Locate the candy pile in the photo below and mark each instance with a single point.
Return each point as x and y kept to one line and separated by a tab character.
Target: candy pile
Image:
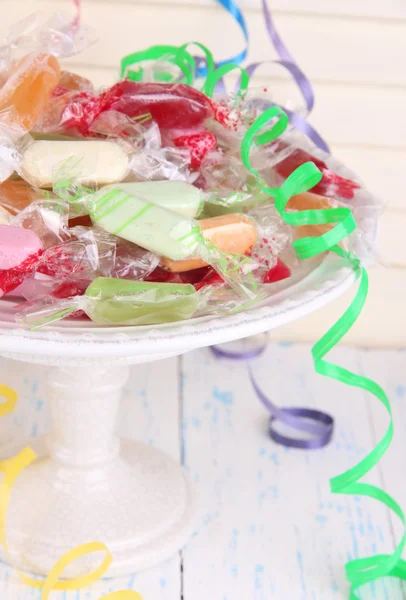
132	205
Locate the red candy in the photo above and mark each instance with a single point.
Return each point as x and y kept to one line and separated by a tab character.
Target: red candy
278	272
68	289
160	275
211	278
172	106
199	145
331	184
10	279
65	261
198	277
80	112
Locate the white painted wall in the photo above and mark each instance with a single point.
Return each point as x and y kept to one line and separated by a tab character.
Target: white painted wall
354	51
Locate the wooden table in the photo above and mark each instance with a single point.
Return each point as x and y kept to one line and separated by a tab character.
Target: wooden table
269	528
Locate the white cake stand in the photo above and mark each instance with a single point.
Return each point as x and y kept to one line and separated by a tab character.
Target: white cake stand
90	485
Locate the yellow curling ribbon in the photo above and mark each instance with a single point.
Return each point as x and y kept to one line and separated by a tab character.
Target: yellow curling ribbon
12	468
11	399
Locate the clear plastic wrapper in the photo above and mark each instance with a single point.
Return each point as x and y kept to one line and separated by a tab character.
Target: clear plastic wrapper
162	163
16	195
47	218
92	253
72	82
12	138
43	32
70	267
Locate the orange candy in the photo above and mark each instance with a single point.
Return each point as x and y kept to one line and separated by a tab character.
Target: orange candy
15	195
232	233
30	86
309	201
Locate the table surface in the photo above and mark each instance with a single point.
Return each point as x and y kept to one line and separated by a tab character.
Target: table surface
269	528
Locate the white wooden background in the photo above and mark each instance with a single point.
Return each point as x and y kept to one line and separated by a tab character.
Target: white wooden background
354	52
268	528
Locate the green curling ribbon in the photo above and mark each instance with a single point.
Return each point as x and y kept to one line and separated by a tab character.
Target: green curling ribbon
210	63
177	55
180	56
364	570
214	77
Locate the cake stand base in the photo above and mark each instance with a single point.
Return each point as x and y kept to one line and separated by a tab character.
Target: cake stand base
90	486
141	506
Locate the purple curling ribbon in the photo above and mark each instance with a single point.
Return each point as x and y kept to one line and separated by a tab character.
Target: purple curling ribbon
319	425
286	60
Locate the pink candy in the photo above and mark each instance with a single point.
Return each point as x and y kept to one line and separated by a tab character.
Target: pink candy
20	250
16	245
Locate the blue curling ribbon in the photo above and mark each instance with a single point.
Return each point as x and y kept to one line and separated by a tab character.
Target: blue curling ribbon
236	13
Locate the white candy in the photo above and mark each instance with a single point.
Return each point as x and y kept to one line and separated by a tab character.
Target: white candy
4	216
89	162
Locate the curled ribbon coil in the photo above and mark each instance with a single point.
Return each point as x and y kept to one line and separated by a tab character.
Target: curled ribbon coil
318	425
359	571
213	72
11	469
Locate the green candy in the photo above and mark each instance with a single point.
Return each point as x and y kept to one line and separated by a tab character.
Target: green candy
121	301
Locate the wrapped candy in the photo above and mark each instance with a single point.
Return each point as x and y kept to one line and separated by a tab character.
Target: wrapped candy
47	218
234	234
121	302
97	162
20	250
177	196
90	253
30	86
69	82
16	195
331	184
68	269
172	106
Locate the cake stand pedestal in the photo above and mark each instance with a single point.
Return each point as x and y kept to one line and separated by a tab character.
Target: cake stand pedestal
90	486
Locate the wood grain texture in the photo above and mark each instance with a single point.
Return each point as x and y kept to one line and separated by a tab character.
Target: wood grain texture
380	325
391	247
339	50
381	169
389	371
257	539
269	528
354	9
